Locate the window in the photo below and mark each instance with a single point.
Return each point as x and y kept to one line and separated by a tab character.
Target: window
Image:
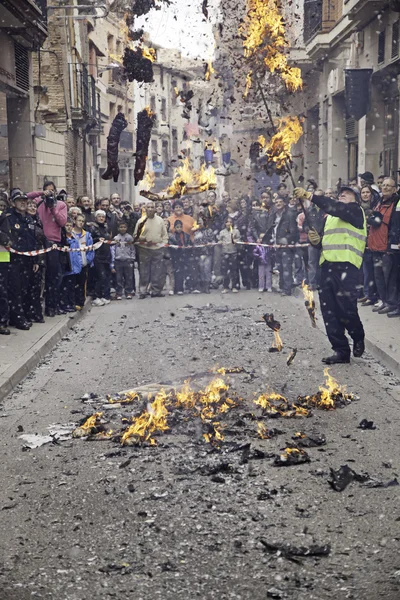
154	155
381	47
112	110
110	44
153	104
174	143
174	90
162	76
165	158
119	49
395	38
163	109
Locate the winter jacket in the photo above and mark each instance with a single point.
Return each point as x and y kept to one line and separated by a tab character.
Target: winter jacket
53	219
287	232
112	222
102	254
260	222
22	228
130	219
76	261
228	238
88	213
180	239
124	251
202	237
262	254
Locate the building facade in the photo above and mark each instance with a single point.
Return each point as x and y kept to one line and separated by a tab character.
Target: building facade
340	35
23	29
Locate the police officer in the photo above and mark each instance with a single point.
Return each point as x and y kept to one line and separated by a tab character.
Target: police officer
5	240
23	239
342	248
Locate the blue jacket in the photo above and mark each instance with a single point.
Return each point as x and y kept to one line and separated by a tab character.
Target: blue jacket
76	257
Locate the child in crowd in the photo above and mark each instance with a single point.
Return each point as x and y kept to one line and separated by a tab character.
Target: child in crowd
203	236
122	262
230	263
179	259
263	256
81	261
102	260
169	267
67	293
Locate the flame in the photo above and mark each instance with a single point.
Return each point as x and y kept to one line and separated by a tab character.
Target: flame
278	344
263	432
91	422
186	397
210	70
187	180
151	420
249	82
309	302
264	39
86	428
149	53
279	148
148	181
277	405
328	396
195	226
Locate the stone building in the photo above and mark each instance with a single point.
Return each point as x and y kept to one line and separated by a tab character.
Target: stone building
23	29
340	35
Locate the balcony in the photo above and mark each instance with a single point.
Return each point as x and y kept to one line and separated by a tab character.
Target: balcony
85	103
26	19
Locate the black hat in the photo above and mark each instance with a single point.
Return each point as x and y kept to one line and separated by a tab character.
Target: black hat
367	176
350	189
17	194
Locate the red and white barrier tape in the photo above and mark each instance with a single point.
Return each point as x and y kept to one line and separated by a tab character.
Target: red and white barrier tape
97	245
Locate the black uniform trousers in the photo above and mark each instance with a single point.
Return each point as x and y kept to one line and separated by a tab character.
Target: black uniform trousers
338	300
19	292
4	311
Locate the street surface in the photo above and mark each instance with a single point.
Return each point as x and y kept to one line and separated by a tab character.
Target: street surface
86	520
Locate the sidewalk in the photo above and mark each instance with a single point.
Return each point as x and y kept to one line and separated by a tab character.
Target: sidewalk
382	334
21	351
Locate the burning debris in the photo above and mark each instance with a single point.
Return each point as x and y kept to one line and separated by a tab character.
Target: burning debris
309	302
290	457
329	397
89	426
267	434
309	440
275	405
275	326
152	420
278	149
145	120
291	357
138	64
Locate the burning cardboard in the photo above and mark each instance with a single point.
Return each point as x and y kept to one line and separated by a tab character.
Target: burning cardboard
290	457
309	303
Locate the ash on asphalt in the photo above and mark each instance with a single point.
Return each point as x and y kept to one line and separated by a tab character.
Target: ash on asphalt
84	520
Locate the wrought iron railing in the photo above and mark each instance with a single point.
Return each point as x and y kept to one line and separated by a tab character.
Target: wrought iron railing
312	18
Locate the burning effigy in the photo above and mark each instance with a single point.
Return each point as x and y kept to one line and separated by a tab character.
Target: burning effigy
275	326
186	181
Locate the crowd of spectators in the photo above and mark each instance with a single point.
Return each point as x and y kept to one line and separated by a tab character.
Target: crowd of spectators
190	245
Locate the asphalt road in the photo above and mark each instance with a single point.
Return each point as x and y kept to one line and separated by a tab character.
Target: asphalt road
182	520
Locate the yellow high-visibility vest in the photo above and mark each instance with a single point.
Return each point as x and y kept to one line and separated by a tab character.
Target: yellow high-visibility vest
342	242
4	254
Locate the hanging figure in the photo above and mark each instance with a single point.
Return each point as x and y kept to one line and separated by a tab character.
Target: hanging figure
117	127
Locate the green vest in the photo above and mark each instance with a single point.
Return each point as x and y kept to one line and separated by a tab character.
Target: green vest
342	242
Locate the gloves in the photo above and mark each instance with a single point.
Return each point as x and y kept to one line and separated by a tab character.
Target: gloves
301	193
314	237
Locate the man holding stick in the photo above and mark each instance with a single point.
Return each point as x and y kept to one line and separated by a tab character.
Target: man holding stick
342	248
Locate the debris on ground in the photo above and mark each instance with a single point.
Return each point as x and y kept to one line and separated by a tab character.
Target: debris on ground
309	440
290	457
365	424
291	550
